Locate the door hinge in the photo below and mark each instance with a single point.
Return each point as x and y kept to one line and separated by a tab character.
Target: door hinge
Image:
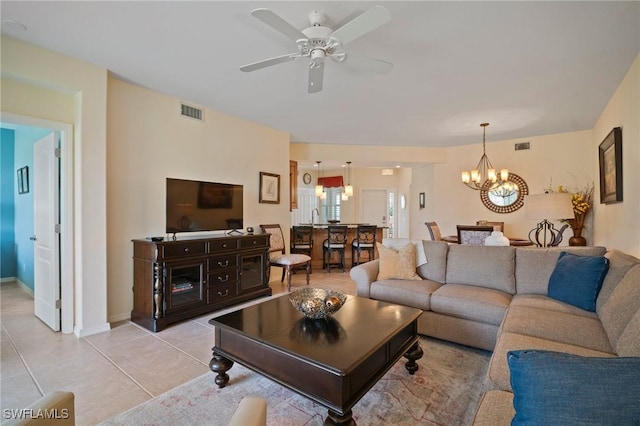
57	152
57	228
58	303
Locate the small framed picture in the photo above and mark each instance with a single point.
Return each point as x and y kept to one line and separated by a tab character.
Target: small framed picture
610	158
421	200
269	188
23	180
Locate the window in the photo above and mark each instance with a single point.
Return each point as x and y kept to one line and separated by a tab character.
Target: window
331	204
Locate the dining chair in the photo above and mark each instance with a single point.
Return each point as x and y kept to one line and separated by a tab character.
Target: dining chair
473	235
278	256
365	240
497	226
302	241
434	230
336	242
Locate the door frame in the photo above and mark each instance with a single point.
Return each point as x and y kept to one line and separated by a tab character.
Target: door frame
67	280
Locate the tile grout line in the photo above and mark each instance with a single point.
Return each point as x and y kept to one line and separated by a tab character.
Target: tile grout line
24	362
118	367
170	344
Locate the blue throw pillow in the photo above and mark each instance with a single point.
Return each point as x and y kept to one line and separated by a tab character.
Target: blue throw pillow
553	388
577	279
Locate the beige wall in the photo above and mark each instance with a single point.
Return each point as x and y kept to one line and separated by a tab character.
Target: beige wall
149	141
87	84
617	225
563	158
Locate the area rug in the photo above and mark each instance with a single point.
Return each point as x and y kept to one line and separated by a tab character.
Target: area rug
444	391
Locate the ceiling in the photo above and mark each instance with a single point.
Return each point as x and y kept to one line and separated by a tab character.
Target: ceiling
528	68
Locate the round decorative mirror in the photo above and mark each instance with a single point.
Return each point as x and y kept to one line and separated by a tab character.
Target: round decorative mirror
506	197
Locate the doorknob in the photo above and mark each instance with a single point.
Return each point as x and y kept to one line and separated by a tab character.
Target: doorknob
33	238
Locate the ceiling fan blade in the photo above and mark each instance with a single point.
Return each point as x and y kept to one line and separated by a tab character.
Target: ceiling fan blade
278	24
268	62
316	76
366	62
361	24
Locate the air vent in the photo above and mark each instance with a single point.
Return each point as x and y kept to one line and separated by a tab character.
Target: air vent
191	112
523	146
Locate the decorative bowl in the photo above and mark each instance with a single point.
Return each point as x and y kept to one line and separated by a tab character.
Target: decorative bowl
317	303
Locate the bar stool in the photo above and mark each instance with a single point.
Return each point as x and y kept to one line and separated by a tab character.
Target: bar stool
301	241
365	240
336	242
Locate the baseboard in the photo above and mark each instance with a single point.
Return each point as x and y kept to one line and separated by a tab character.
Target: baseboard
7	280
126	316
84	332
25	287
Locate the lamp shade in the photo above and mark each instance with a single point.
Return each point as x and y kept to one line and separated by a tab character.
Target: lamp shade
548	206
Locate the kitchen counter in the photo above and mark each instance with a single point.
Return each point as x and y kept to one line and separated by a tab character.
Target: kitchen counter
320	234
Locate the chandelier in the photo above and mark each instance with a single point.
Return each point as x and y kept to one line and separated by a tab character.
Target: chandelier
484	176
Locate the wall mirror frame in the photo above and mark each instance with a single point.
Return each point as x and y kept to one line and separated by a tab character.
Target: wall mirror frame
517	200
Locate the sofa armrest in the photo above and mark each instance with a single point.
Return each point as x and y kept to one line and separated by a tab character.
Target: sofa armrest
364	274
58	405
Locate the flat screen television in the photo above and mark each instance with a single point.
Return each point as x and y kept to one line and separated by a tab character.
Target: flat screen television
195	206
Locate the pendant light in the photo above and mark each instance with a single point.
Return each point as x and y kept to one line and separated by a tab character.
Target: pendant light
348	189
319	187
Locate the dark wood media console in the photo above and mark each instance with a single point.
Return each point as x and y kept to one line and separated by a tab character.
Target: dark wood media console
177	280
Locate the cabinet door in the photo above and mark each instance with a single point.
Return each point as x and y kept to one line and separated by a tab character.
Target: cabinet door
184	285
252	270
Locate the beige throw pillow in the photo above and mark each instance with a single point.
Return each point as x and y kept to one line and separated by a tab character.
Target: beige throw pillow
398	264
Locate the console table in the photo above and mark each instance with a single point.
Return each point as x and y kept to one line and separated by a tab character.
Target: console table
181	279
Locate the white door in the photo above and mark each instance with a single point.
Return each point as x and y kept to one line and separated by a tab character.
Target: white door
46	240
373	208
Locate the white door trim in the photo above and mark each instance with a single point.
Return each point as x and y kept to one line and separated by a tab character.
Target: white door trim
67	278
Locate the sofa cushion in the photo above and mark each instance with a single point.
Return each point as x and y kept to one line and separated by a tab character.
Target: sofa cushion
621	305
545	302
436	255
490	267
552	388
629	342
558	326
577	279
619	264
535	265
471	302
495	408
416	294
399	264
498	372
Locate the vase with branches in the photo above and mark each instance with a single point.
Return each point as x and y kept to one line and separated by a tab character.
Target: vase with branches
582	202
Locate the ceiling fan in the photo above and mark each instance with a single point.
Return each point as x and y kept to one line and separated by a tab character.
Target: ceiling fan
319	42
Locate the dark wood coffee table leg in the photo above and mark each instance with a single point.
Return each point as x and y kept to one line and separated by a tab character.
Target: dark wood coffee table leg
336	419
220	365
413	354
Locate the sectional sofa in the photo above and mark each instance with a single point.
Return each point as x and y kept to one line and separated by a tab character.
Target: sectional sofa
500	299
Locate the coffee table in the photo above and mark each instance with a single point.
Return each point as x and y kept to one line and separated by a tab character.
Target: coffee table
333	362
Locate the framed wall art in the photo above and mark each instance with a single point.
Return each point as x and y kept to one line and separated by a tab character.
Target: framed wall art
421	200
23	180
610	157
269	188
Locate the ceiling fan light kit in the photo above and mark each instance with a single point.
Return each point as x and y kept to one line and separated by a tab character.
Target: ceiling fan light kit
318	42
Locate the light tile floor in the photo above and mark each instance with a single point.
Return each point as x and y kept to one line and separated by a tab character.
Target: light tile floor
113	371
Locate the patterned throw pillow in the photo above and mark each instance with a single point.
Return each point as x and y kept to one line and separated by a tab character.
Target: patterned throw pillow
398	264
